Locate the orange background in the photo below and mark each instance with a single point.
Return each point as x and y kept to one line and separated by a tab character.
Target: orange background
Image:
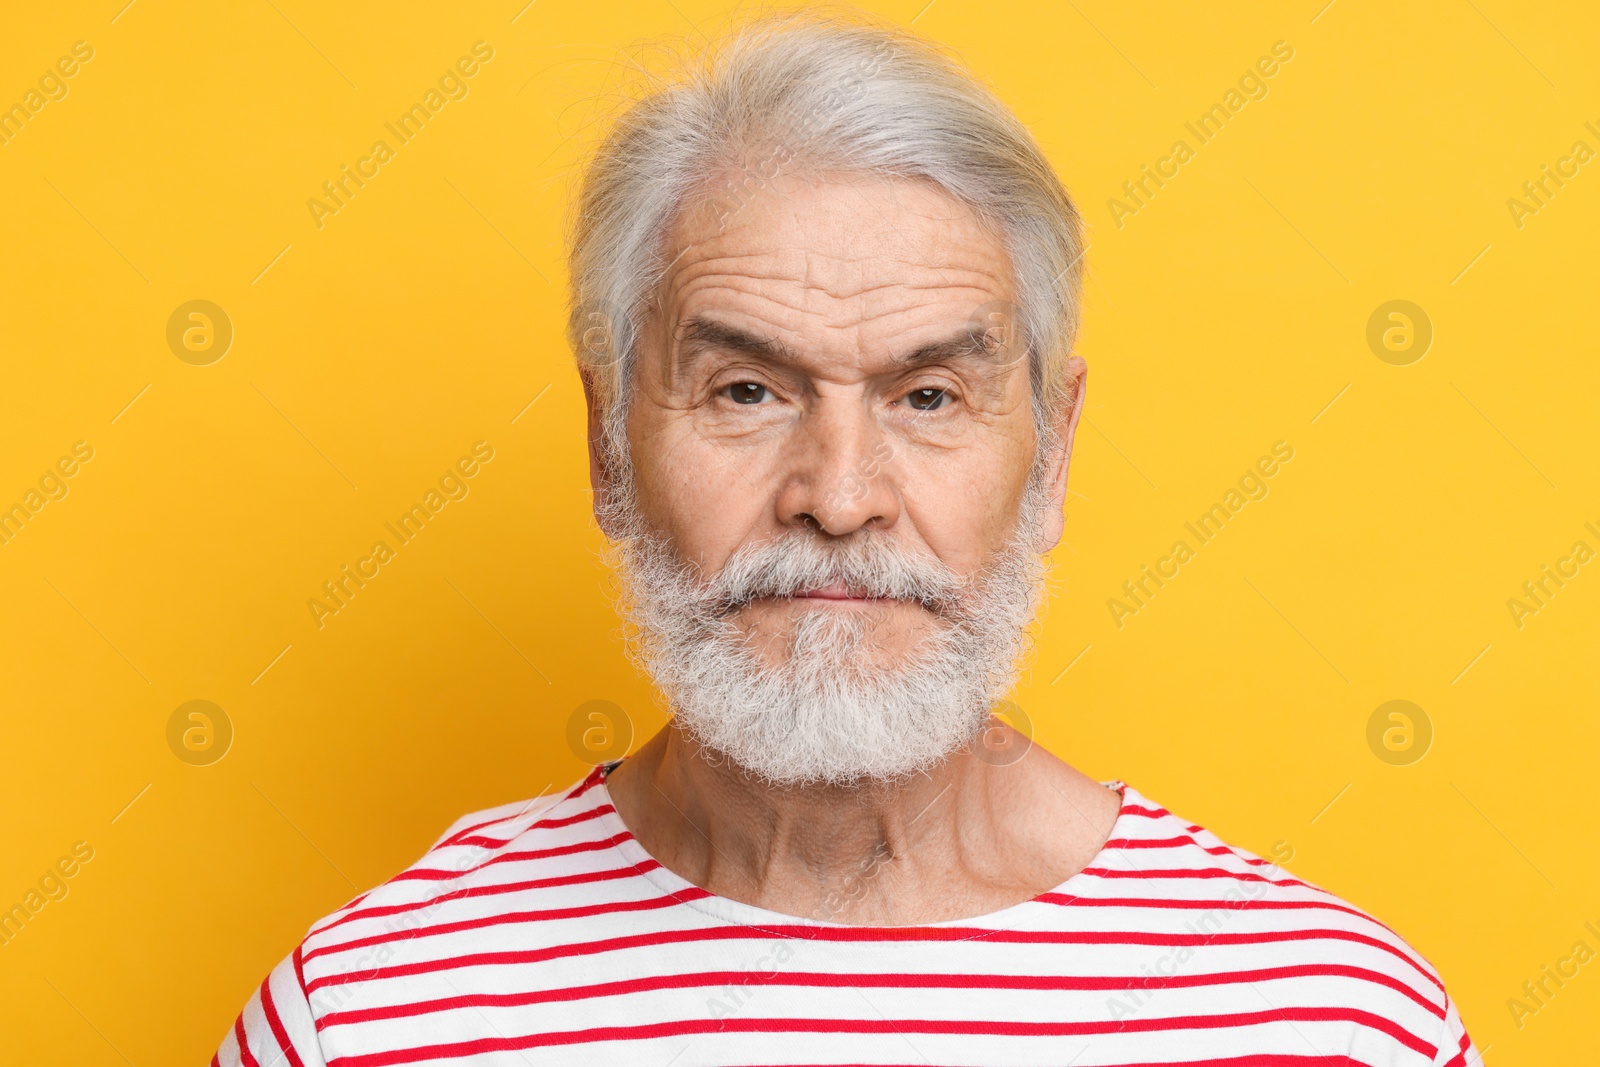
1227	313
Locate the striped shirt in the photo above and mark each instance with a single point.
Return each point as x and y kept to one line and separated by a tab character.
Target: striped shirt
543	932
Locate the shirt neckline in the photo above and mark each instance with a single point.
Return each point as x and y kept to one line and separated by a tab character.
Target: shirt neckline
726	909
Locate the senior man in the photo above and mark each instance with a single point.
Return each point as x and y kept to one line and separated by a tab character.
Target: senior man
825	291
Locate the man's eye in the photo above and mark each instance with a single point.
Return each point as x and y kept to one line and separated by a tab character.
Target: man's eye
747	393
926	399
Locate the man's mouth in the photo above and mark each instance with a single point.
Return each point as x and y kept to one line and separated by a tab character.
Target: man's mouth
836	591
836	595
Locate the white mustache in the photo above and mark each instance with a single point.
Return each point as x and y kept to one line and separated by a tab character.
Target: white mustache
869	565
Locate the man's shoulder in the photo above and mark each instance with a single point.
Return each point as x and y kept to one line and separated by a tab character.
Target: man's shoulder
1155	842
1158	860
497	822
1160	842
466	875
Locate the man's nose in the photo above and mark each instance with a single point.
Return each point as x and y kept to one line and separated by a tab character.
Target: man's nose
837	471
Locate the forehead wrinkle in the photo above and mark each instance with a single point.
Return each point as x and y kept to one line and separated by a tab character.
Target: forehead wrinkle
963	214
810	268
834	308
912	255
976	243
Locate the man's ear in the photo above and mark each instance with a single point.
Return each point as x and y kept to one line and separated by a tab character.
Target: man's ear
599	471
1076	385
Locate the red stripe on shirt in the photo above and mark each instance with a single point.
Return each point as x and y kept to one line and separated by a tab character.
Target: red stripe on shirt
993	1028
1199	872
575	912
542	824
285	1046
246	1058
1204	904
434	874
490	890
849	934
851	979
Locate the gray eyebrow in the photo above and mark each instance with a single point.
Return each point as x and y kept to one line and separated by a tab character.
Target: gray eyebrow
961	345
699	333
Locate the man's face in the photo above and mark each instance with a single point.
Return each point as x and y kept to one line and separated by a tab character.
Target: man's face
810	369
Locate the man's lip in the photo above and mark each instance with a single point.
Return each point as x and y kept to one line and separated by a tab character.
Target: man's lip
836	591
838	594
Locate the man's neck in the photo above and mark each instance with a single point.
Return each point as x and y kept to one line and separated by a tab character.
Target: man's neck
971	836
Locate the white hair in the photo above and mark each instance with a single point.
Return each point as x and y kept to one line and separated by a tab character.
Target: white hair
803	92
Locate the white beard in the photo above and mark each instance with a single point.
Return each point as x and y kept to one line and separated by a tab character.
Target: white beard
829	713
